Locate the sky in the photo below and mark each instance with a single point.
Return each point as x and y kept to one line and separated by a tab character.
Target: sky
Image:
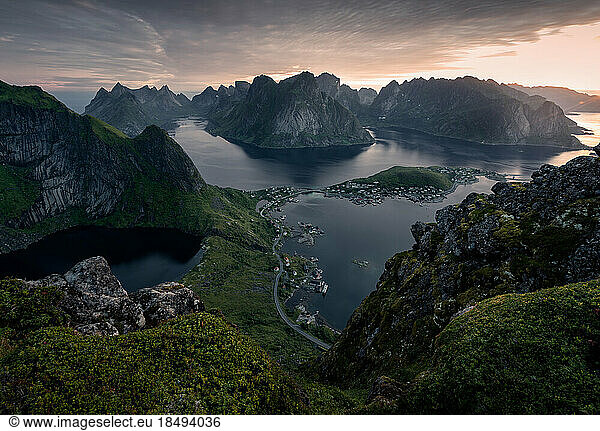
77	46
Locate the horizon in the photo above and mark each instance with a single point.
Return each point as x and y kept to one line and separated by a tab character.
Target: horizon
80	46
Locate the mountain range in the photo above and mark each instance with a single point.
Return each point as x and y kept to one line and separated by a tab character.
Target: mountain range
289	114
495	309
131	110
59	169
569	100
309	111
475	110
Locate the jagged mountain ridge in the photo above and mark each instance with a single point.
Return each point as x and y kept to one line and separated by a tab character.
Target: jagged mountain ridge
289	114
211	99
356	101
569	100
131	110
475	110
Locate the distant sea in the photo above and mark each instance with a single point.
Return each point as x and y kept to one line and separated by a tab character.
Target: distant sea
590	121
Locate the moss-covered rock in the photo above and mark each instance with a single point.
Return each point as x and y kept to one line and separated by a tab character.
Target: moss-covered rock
519	239
532	353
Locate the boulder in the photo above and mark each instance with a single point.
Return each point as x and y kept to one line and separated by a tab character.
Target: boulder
166	301
97	303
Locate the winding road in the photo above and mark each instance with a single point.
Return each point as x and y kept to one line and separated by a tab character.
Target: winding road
280	310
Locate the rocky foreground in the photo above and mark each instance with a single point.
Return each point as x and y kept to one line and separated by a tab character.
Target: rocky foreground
524	237
79	343
95	303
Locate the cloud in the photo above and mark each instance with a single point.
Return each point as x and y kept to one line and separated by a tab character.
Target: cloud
7	38
500	54
190	43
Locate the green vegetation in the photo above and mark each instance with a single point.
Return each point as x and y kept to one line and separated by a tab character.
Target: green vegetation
196	364
399	176
32	96
106	132
17	193
239	281
534	353
31	307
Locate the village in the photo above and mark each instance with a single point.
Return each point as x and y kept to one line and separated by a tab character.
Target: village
301	276
373	193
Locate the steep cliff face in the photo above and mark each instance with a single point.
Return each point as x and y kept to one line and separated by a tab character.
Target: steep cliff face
288	114
211	100
522	238
132	110
78	164
468	108
349	98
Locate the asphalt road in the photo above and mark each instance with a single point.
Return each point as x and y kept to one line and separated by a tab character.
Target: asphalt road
282	314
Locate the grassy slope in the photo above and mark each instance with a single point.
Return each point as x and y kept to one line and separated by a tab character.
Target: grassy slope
29	96
516	353
192	364
399	176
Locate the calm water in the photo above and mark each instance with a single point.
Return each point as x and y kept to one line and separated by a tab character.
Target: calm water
371	233
249	168
590	121
142	258
138	257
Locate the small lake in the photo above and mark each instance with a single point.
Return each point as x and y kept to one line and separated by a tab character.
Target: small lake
138	257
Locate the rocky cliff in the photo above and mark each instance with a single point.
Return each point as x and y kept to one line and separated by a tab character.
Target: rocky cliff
475	110
74	168
79	344
132	110
569	100
523	237
289	114
357	101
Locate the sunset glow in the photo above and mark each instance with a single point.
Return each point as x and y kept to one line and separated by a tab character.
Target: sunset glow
80	46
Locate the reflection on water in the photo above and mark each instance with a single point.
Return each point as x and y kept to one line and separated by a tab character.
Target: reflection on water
371	233
138	257
374	233
250	168
590	121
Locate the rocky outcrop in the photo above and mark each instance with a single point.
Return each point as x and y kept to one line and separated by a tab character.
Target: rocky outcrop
81	164
166	301
289	114
97	304
475	110
132	110
523	237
